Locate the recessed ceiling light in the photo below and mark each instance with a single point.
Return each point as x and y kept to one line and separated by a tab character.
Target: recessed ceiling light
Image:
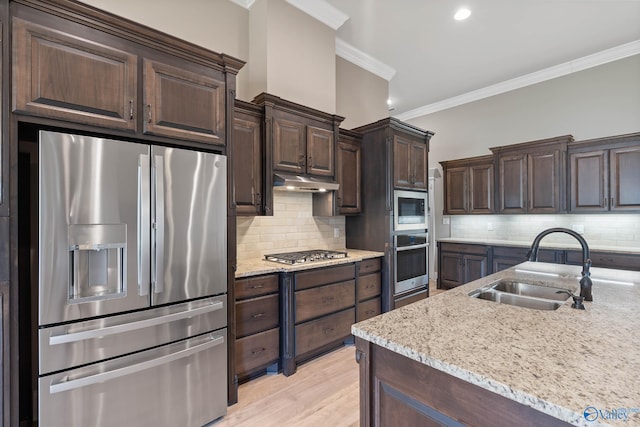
462	14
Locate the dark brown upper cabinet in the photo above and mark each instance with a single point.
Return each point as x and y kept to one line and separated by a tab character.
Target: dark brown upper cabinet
298	140
135	81
469	185
184	104
349	172
531	176
247	158
604	174
60	75
410	162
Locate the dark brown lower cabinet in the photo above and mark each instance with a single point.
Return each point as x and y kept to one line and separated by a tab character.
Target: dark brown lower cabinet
461	263
257	325
398	391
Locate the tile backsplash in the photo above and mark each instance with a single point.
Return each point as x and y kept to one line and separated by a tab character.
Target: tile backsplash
622	230
292	227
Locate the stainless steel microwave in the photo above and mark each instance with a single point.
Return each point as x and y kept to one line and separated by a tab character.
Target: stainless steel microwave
410	210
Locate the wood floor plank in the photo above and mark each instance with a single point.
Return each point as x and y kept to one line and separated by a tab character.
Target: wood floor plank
323	392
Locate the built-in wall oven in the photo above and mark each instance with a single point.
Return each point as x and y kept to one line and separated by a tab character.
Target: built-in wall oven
411	256
410	210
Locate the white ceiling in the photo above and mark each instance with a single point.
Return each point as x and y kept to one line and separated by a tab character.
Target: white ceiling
505	44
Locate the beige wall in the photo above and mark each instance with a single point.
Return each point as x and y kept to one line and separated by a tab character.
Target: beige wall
597	102
361	96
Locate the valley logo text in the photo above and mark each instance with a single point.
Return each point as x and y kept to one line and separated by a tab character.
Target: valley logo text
591	413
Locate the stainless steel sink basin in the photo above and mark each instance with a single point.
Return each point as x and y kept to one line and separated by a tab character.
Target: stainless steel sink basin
529	290
522	294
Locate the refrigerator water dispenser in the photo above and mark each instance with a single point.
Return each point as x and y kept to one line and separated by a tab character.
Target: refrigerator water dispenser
97	262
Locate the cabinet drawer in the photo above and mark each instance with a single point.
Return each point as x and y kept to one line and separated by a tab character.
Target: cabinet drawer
257	350
370	265
323	276
323	300
463	248
257	314
369	309
255	286
368	286
320	332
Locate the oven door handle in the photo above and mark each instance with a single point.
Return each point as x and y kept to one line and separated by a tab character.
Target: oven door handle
209	341
407	248
132	326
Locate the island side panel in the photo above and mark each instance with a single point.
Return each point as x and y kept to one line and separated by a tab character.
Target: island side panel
394	387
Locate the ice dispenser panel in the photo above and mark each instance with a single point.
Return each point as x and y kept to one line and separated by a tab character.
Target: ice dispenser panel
97	262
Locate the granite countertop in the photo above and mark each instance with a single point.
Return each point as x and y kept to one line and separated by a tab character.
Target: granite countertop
256	267
559	362
543	244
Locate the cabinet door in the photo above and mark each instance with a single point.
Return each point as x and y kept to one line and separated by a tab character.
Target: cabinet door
513	183
66	77
348	175
475	267
401	162
481	189
182	104
544	186
451	272
456	190
589	186
625	178
289	147
320	151
418	165
247	164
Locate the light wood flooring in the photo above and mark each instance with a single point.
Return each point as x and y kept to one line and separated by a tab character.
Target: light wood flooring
323	392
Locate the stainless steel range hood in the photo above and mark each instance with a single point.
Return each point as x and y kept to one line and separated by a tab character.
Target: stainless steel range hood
282	181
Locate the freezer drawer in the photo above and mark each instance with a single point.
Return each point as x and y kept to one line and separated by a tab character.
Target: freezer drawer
66	346
181	384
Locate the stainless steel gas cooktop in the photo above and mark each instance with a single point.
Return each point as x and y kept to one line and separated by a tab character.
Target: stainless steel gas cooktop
305	256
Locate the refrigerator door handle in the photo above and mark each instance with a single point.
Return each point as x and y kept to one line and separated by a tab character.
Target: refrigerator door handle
158	225
210	340
132	326
143	225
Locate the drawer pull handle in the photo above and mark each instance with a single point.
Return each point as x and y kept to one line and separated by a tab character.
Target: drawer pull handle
258	351
328	300
369	312
370	286
257	315
257	286
328	331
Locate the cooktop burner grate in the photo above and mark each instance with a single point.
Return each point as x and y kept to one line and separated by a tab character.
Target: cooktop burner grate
305	256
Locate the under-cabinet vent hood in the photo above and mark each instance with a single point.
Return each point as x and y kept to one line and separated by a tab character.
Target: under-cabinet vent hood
310	184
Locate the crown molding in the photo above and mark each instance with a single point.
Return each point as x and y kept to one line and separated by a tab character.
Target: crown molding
244	3
363	60
322	11
580	64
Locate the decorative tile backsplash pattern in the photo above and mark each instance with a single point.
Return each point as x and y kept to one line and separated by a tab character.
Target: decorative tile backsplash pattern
599	230
291	228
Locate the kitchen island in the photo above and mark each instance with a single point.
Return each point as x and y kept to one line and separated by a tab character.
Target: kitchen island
468	361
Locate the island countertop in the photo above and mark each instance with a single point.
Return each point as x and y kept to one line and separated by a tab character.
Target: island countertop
558	362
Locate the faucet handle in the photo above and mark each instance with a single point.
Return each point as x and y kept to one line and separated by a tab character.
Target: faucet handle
577	299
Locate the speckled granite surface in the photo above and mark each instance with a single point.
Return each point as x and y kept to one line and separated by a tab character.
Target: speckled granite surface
256	267
558	362
543	244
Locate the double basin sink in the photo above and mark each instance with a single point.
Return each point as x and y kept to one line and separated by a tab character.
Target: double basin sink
522	294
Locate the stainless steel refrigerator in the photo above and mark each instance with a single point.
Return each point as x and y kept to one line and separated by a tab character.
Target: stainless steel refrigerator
132	284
